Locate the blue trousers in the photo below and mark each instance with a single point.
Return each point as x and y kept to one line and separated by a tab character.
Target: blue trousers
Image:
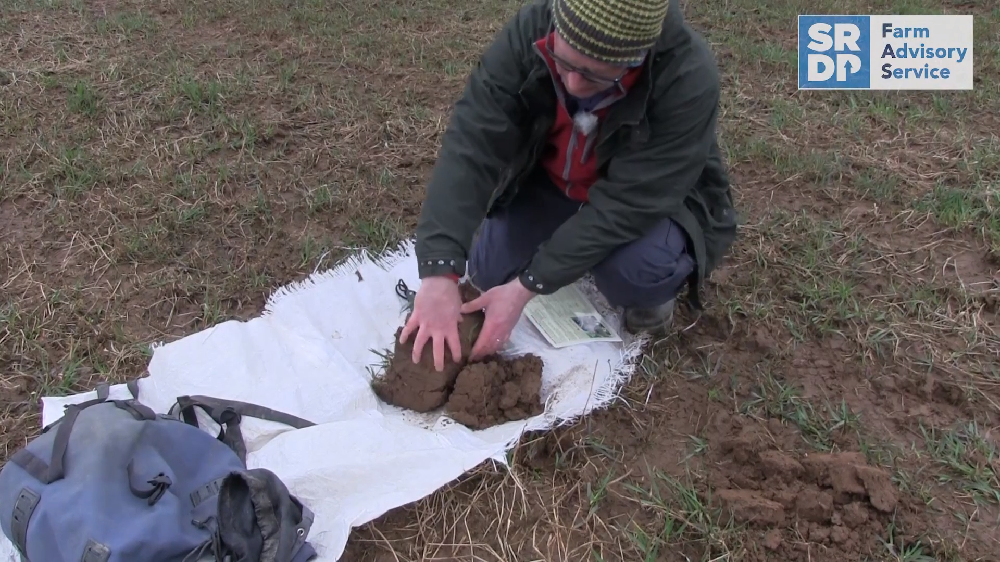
644	273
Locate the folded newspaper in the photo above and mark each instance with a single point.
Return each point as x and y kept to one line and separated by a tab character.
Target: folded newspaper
567	317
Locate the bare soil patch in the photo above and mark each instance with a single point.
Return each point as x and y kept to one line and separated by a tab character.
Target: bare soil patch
836	501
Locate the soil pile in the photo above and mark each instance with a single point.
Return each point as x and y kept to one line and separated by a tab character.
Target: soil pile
478	394
497	390
835	499
419	386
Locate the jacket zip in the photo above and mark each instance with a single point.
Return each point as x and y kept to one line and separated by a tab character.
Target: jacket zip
590	139
569	159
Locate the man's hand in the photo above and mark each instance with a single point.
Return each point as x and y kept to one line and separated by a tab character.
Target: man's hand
435	315
503	306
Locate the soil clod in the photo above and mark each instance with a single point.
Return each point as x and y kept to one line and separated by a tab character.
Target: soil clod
479	394
497	390
752	507
834	499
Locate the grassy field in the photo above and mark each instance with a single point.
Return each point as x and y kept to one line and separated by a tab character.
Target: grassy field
166	164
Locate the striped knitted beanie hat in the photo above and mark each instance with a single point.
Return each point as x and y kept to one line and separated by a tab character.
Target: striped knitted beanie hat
613	31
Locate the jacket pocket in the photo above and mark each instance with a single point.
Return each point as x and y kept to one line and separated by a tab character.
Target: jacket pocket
521	167
720	224
638	135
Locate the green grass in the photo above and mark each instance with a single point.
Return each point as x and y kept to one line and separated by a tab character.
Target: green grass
969	460
975	208
680	513
818	425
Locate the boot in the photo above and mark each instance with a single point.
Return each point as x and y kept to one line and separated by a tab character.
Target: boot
656	320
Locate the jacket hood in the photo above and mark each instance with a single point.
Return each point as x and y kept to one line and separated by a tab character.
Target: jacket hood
673	26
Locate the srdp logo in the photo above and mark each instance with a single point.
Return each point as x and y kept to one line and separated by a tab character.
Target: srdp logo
834	52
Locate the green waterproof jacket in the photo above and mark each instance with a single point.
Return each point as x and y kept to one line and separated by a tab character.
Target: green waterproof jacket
657	154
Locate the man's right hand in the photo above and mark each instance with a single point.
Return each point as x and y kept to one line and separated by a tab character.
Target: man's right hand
436	314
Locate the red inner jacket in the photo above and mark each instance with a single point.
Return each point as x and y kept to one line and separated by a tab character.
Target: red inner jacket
569	156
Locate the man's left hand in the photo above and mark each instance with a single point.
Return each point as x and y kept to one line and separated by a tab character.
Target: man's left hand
503	306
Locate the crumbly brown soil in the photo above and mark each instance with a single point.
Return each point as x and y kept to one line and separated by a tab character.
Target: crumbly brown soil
497	390
835	500
481	394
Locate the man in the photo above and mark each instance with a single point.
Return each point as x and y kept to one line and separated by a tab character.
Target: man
586	139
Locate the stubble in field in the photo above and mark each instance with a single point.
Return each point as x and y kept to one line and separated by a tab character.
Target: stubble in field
166	165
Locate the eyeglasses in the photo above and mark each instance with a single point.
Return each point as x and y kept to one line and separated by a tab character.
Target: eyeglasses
587	75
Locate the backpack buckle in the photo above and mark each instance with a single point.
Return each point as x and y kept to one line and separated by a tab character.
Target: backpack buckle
228	416
24	507
95	552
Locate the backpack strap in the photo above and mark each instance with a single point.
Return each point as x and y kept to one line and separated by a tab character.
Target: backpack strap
229	413
133	387
49	472
139	411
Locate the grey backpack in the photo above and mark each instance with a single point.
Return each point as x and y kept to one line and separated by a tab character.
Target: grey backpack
112	481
